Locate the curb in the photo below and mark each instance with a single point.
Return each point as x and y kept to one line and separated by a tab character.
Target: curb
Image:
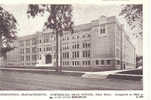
42	71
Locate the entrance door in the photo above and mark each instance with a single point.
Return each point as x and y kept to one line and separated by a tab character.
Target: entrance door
48	59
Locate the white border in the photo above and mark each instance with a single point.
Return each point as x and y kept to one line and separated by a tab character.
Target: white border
146	48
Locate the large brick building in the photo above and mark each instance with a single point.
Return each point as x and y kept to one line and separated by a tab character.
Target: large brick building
100	43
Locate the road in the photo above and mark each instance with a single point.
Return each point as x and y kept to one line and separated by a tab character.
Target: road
12	80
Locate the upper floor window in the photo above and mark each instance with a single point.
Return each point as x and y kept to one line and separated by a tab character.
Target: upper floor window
28	58
33	41
22	51
102	29
21	43
75	54
76	46
33	49
65	55
86	45
27	50
86	53
27	42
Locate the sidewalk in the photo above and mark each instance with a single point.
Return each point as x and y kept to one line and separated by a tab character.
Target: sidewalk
44	71
96	75
100	75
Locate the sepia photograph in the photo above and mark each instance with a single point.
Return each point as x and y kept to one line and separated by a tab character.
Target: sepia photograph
71	47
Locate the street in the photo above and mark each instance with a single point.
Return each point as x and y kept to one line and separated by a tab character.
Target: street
14	80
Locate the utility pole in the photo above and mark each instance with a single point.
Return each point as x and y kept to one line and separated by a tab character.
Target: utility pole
0	49
121	50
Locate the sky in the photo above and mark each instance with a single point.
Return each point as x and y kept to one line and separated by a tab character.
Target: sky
81	14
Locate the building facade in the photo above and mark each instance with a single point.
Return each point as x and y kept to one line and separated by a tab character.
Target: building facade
100	43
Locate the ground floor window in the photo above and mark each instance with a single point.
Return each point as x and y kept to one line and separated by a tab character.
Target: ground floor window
97	62
102	62
118	62
108	62
74	63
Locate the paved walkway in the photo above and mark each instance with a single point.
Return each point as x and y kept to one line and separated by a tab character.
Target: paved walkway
100	75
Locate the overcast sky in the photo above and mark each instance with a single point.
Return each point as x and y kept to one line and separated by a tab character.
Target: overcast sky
81	14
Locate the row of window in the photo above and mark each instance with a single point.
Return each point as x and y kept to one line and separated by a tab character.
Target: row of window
102	62
76	63
28	63
77	37
46	49
33	41
28	58
27	42
76	54
65	55
108	62
76	46
47	39
27	50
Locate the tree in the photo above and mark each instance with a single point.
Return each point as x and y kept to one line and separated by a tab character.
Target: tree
7	32
59	19
139	61
134	17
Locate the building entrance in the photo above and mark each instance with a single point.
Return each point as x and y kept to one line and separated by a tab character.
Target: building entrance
48	59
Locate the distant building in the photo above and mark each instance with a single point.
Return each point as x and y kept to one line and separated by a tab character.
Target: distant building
100	43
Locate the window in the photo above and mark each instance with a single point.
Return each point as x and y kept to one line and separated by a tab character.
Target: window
27	42
118	62
75	54
33	41
33	49
21	43
89	35
48	48
86	45
89	62
27	58
40	57
22	51
39	41
22	58
86	53
27	50
108	62
65	55
33	57
83	36
73	63
102	29
102	62
75	46
97	62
